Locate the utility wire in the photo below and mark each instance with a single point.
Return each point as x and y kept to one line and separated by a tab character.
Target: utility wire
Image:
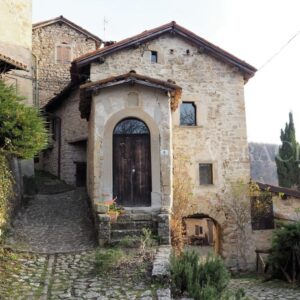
280	50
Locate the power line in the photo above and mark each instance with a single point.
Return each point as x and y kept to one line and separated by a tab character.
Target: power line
280	50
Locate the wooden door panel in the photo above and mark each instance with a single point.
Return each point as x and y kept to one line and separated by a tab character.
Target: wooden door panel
132	170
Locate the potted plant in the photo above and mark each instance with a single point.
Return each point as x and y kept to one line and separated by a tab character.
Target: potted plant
113	209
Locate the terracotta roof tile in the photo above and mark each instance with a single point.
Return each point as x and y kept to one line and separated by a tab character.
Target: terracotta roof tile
12	63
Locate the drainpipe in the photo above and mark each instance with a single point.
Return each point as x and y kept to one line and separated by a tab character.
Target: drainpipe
36	81
58	119
58	132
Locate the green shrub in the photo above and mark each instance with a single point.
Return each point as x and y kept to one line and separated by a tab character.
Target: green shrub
285	242
207	279
22	129
5	191
106	259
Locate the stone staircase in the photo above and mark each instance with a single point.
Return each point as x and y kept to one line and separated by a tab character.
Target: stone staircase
131	225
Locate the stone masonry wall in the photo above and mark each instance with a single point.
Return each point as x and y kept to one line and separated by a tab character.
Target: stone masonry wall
73	135
220	136
52	76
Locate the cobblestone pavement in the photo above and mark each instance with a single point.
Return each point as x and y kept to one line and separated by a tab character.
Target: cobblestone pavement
257	290
54	223
72	276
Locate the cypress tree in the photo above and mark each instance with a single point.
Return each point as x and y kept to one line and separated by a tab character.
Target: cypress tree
287	159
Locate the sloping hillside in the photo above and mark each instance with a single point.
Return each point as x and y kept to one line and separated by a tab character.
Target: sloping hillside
263	166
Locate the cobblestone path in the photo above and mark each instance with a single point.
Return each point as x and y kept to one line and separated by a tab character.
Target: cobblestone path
72	276
257	290
55	223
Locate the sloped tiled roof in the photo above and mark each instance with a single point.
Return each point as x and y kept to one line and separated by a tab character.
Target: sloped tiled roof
12	57
173	28
129	78
62	19
7	63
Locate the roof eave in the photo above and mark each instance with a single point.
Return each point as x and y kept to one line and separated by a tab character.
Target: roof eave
246	69
71	24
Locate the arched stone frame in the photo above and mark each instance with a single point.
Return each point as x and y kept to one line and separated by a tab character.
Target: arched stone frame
107	181
218	229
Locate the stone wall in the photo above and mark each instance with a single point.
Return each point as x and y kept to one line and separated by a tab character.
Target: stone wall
73	137
113	105
53	76
15	42
220	136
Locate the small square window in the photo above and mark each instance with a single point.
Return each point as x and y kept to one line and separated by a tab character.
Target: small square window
154	57
188	114
206	174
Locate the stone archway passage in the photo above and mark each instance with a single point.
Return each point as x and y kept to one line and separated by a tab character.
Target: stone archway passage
132	163
202	234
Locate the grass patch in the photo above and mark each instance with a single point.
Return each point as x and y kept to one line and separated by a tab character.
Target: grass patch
106	259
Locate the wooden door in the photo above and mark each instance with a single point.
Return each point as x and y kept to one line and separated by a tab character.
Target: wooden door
132	166
80	173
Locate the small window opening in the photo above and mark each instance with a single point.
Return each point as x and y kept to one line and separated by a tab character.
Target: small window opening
206	174
154	56
198	230
188	114
171	51
187	51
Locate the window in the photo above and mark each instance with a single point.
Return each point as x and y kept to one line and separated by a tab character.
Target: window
188	114
154	57
63	54
206	174
54	129
198	230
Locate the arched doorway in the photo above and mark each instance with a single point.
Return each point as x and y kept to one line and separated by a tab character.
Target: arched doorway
202	234
132	163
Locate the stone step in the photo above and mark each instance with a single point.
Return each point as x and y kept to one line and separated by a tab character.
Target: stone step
128	225
134	217
118	234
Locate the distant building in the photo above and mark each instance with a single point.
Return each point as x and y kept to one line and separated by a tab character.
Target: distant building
55	43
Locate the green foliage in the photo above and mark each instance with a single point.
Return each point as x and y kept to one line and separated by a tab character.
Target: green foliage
5	191
286	240
207	279
22	129
286	160
129	242
106	259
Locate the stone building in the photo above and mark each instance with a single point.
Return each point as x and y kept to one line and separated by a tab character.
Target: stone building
16	55
152	101
55	43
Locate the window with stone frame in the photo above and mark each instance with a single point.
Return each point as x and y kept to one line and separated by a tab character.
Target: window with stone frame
188	114
63	54
206	174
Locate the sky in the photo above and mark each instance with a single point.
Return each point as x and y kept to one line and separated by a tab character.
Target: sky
253	30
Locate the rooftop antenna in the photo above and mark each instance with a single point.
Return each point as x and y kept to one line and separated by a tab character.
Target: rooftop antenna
105	22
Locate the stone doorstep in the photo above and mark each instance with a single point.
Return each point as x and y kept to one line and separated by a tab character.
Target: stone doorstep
132	225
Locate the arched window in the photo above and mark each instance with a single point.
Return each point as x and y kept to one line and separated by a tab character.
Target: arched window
188	114
131	126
